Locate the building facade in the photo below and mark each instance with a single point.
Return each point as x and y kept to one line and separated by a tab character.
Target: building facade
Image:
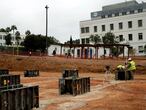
126	20
13	40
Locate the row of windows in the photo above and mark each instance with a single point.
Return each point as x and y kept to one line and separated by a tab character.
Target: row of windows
103	27
121	38
130	37
123	13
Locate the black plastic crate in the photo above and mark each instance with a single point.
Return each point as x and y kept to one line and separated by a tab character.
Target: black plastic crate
31	73
70	73
24	98
74	86
124	75
4	71
6	80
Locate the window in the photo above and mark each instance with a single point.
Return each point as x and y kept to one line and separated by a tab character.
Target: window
83	41
140	10
116	14
132	12
140	36
129	24
87	40
1	36
82	30
94	14
103	16
130	37
111	26
12	38
103	27
121	38
140	49
120	25
110	15
87	29
124	13
95	28
139	23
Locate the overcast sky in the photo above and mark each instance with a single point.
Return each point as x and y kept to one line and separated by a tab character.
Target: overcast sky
63	15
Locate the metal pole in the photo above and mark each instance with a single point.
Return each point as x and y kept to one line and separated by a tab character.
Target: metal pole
46	26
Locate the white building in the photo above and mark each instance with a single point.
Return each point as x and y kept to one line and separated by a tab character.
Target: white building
13	40
126	20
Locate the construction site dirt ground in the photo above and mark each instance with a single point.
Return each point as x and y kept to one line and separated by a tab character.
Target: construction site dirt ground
115	95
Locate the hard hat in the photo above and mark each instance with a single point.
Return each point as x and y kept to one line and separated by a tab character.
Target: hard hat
129	59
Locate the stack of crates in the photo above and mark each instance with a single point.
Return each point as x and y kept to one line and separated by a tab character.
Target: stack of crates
71	83
14	96
31	73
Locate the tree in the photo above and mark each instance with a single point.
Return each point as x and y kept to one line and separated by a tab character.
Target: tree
27	32
52	40
8	29
13	28
2	30
77	41
132	51
109	38
17	34
38	42
8	39
95	38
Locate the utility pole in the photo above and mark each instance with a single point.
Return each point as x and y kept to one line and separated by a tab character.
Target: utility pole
46	27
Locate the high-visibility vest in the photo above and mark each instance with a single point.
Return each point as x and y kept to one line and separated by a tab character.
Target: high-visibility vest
132	66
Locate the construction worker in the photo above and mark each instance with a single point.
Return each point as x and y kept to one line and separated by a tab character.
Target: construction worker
131	67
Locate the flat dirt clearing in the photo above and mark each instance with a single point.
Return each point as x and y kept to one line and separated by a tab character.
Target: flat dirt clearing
116	95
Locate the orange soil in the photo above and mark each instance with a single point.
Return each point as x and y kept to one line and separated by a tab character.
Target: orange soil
119	95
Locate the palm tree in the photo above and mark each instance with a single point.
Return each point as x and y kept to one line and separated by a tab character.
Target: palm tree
13	28
27	33
17	34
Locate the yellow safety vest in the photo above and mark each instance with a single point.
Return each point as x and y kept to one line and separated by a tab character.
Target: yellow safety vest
132	67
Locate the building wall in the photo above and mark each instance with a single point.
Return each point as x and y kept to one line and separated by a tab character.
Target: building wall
2	38
13	40
135	30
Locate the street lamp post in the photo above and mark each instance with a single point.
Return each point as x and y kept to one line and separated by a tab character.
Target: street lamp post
46	26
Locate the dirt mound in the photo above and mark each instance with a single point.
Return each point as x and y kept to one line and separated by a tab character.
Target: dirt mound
57	64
